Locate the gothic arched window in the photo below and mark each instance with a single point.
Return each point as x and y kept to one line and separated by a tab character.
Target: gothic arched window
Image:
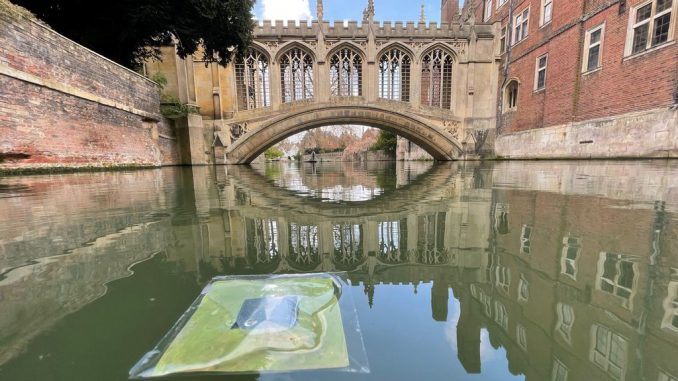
252	81
436	79
346	68
296	75
394	75
511	96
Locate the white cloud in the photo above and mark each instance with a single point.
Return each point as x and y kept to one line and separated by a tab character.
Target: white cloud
286	10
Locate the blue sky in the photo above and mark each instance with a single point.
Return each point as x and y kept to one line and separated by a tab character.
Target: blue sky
386	10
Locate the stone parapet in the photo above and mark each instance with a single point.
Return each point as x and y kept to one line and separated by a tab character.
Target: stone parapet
352	29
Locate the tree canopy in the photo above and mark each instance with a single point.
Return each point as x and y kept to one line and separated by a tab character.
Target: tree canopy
131	31
387	141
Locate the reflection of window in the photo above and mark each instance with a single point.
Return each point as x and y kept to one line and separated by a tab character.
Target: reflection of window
559	372
501	315
501	215
617	275
523	289
431	243
565	321
670	320
569	255
650	25
304	251
347	244
608	351
389	242
525	239
521	336
503	278
666	377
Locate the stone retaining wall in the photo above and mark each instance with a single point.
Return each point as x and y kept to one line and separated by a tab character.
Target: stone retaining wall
62	105
649	134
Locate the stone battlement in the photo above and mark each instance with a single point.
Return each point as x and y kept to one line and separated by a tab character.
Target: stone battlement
296	29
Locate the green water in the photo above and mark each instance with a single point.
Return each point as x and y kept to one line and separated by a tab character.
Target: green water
509	271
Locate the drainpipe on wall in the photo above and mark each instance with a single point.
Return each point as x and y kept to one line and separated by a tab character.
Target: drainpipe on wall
507	61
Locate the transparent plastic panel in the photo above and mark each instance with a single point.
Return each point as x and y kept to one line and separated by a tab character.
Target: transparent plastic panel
263	324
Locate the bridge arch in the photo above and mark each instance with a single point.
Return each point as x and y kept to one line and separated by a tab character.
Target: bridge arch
437	142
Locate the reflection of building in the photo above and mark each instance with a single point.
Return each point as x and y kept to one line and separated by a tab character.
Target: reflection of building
594	295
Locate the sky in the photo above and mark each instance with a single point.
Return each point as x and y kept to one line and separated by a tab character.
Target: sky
385	10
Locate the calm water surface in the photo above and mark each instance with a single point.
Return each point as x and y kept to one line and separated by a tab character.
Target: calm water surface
513	271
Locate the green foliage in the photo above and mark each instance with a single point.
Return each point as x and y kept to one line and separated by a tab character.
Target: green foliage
171	108
160	79
132	31
7	8
273	153
386	141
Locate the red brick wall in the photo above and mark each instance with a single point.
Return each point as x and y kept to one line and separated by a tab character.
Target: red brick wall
63	105
449	9
623	85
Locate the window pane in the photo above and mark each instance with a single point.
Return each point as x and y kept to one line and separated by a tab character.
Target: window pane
542	62
644	13
663	5
601	340
572	252
610	267
661	29
547	13
627	274
593	58
541	81
595	36
607	287
640	38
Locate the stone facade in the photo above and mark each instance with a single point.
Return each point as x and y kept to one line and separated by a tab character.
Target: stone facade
647	134
619	102
249	123
62	105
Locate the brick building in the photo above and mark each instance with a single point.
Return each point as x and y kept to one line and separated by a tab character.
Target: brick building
584	78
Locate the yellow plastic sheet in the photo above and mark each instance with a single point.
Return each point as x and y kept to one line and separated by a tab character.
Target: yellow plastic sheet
211	341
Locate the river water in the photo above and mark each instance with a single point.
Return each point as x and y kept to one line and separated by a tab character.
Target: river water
463	271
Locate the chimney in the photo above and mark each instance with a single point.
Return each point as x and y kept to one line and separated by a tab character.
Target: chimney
449	9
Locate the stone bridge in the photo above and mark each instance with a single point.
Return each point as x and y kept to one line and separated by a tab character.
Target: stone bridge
430	83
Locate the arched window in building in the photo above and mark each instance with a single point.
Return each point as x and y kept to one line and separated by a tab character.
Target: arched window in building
511	96
436	79
296	75
346	68
252	81
394	75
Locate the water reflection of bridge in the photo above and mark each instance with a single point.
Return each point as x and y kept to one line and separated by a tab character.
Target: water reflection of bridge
269	229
